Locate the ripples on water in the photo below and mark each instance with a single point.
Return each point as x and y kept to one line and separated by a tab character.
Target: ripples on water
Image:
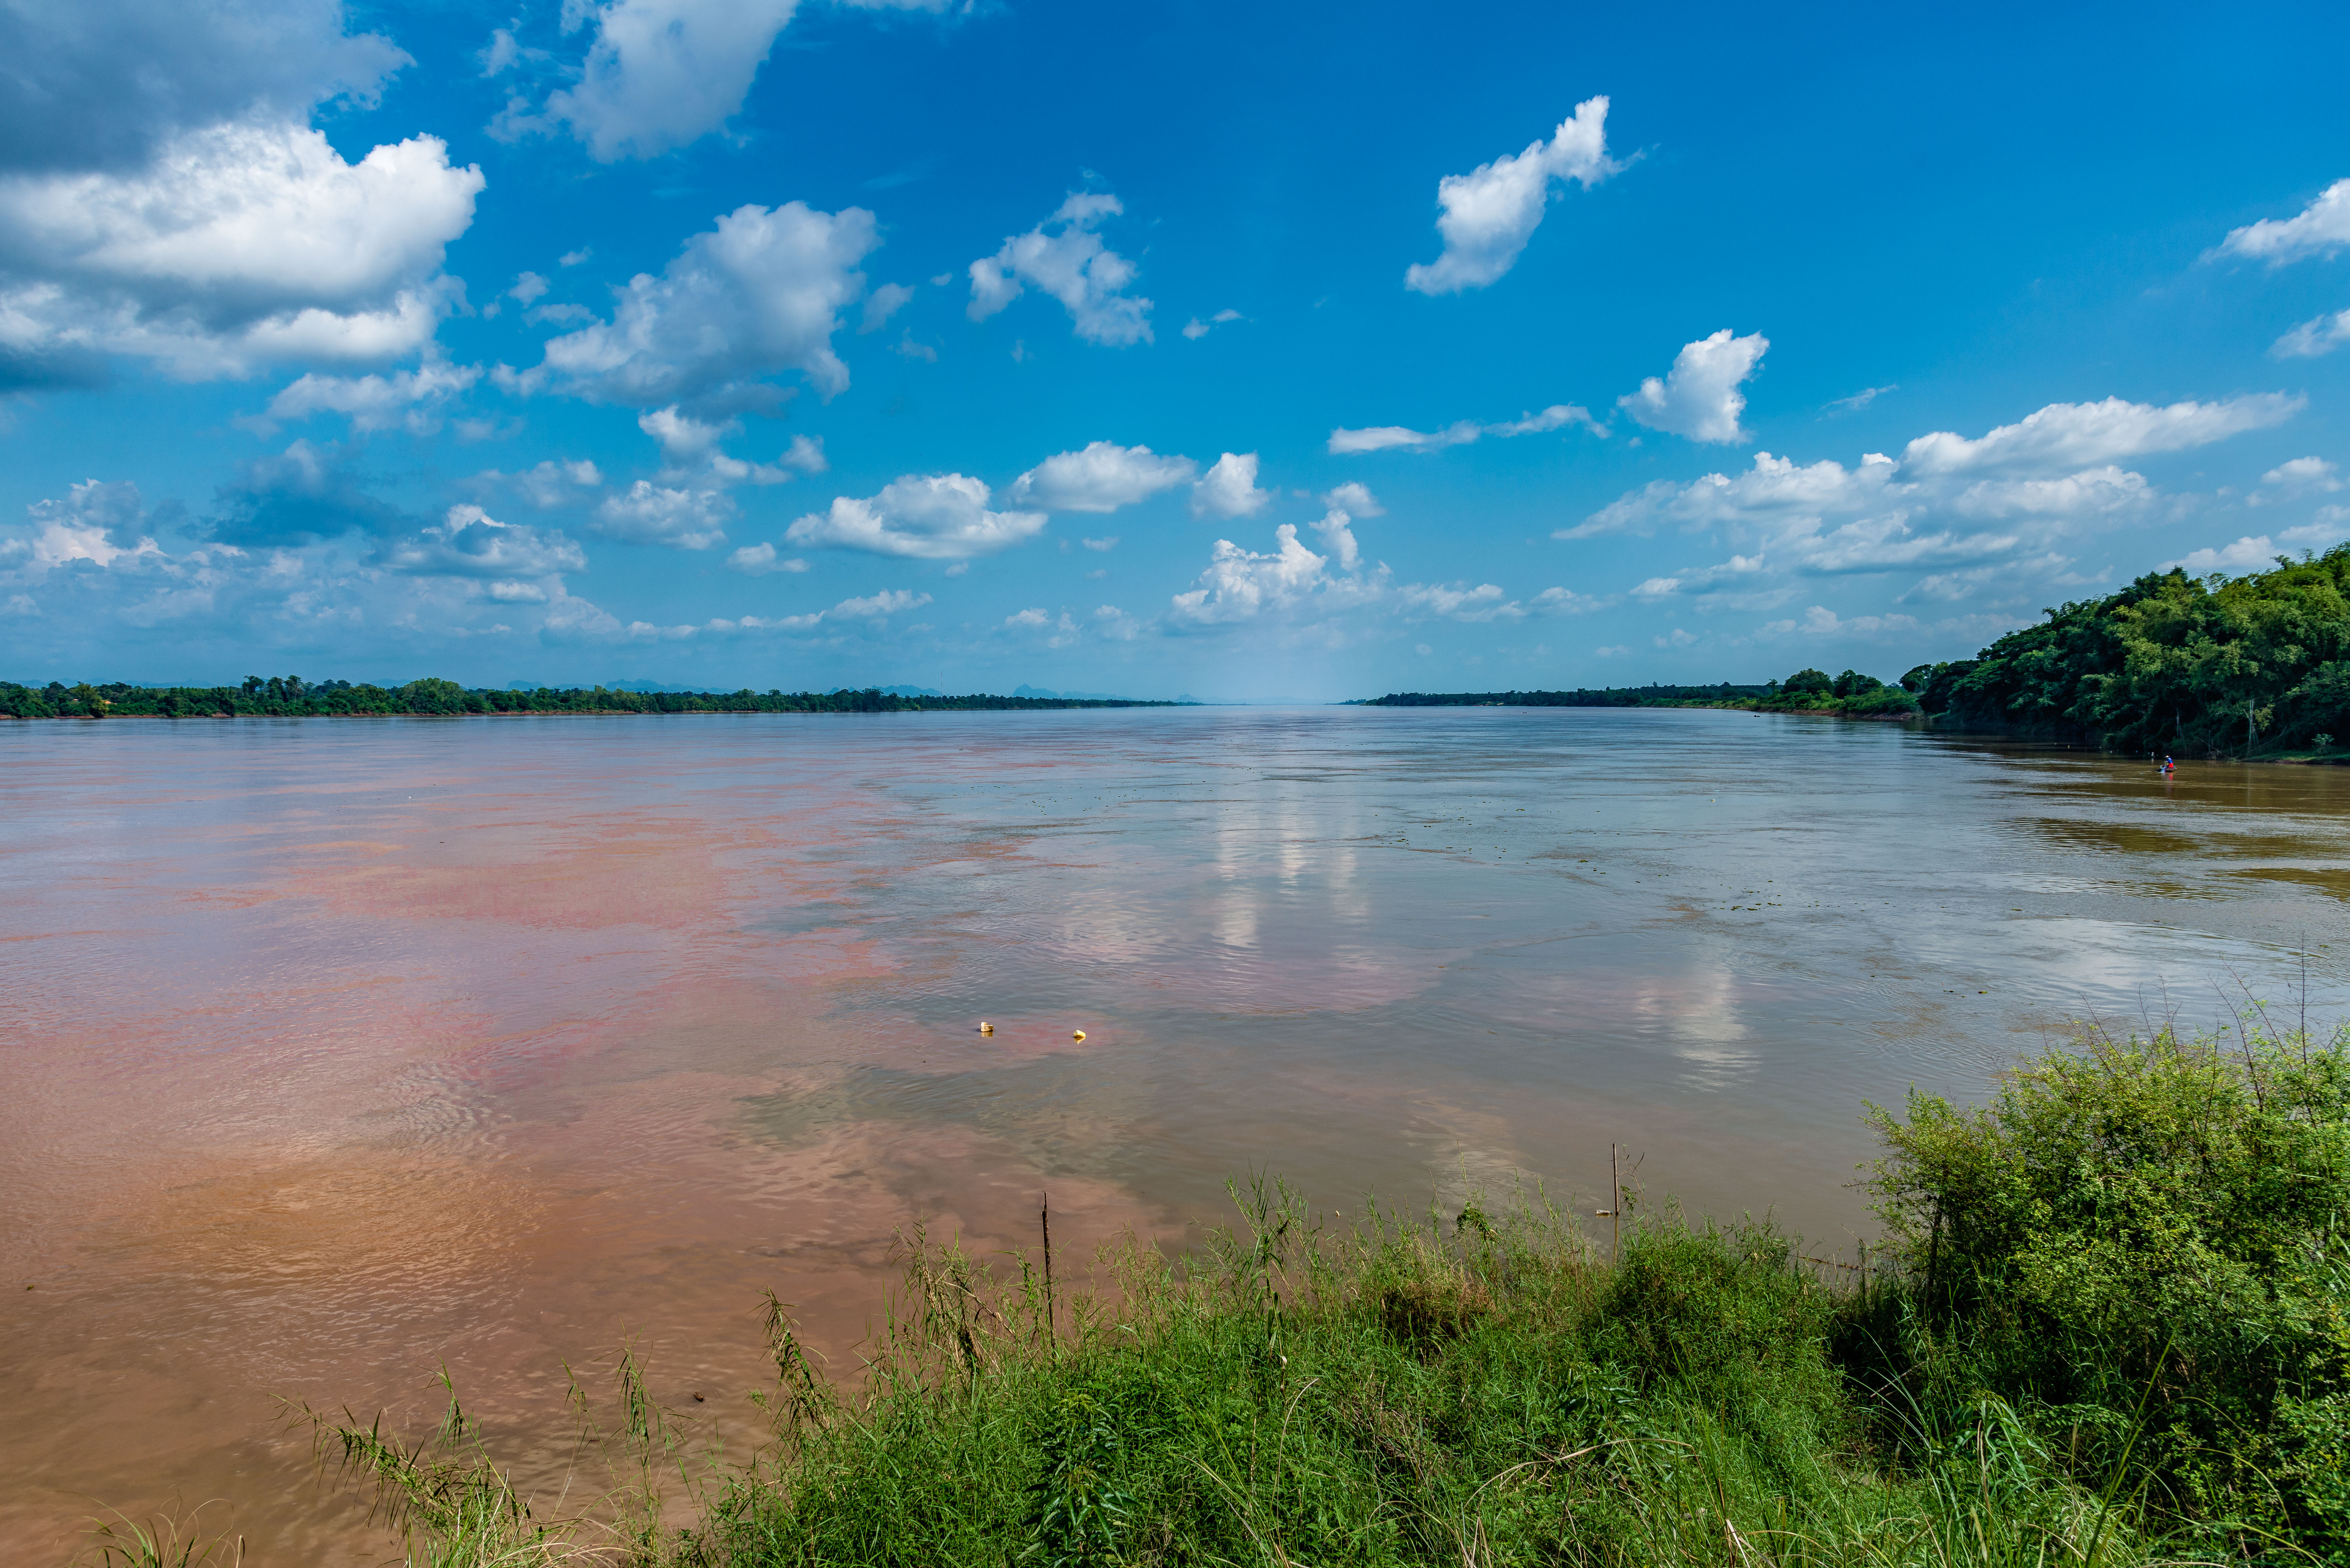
339	1050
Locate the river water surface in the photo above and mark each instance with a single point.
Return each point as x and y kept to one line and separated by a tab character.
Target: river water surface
339	1051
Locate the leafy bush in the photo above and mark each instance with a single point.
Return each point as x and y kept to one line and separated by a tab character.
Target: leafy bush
2141	1246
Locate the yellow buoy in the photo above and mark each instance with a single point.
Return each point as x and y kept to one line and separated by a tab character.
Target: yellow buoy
1078	1035
986	1027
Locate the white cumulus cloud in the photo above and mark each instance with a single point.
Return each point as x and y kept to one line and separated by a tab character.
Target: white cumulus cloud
1103	477
2319	229
1699	397
469	543
102	84
1240	585
660	73
1065	258
1978	515
409	399
940	518
2314	339
759	560
1346	442
650	514
2079	435
237	245
760	293
1229	488
1489	212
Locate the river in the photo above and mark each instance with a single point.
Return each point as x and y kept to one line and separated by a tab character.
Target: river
338	1051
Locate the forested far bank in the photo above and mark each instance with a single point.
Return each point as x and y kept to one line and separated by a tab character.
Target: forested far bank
2256	666
289	696
2216	666
1850	694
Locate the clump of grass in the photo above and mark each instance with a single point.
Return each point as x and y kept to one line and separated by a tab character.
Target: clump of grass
1400	1390
163	1542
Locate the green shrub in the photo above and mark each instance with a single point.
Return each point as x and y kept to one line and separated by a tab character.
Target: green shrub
2140	1244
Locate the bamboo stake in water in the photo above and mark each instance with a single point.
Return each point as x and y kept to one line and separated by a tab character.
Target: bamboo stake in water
1045	1220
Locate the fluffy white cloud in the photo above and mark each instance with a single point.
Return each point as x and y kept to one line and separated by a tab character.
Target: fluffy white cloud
1699	397
1566	601
650	514
97	520
761	293
2068	435
469	543
1485	602
1337	531
1229	488
1293	586
759	560
1065	258
658	74
1461	432
1240	585
2318	229
2314	339
407	400
102	84
1346	442
1196	328
238	244
690	446
1354	498
1491	212
882	304
889	602
2292	480
1101	478
548	485
1821	621
1977	514
939	517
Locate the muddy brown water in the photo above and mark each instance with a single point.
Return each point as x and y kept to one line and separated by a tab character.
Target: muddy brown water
338	1052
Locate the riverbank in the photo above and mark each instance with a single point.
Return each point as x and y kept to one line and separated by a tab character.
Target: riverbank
2102	1326
278	698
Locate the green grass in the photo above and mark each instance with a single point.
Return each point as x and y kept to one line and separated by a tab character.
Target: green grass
2106	1328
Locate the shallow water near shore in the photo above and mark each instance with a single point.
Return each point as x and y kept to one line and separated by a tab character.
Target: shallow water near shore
338	1051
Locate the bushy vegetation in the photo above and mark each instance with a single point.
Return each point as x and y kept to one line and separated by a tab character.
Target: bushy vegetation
2105	1326
1850	695
2216	666
291	696
2144	1248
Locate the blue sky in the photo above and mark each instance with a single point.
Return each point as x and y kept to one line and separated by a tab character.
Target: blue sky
1247	352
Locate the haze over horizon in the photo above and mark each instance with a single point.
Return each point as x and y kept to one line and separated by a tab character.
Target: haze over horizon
1311	354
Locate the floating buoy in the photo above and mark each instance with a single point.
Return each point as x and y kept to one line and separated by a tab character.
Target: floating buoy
1078	1035
986	1027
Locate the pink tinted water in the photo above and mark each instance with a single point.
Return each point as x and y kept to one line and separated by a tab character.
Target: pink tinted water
336	1052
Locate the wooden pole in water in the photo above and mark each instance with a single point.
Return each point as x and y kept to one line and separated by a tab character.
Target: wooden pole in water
1614	1206
1045	1220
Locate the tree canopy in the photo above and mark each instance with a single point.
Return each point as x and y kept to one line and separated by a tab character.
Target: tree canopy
2172	663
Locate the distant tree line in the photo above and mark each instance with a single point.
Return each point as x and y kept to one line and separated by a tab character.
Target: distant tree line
290	696
1807	690
1588	697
